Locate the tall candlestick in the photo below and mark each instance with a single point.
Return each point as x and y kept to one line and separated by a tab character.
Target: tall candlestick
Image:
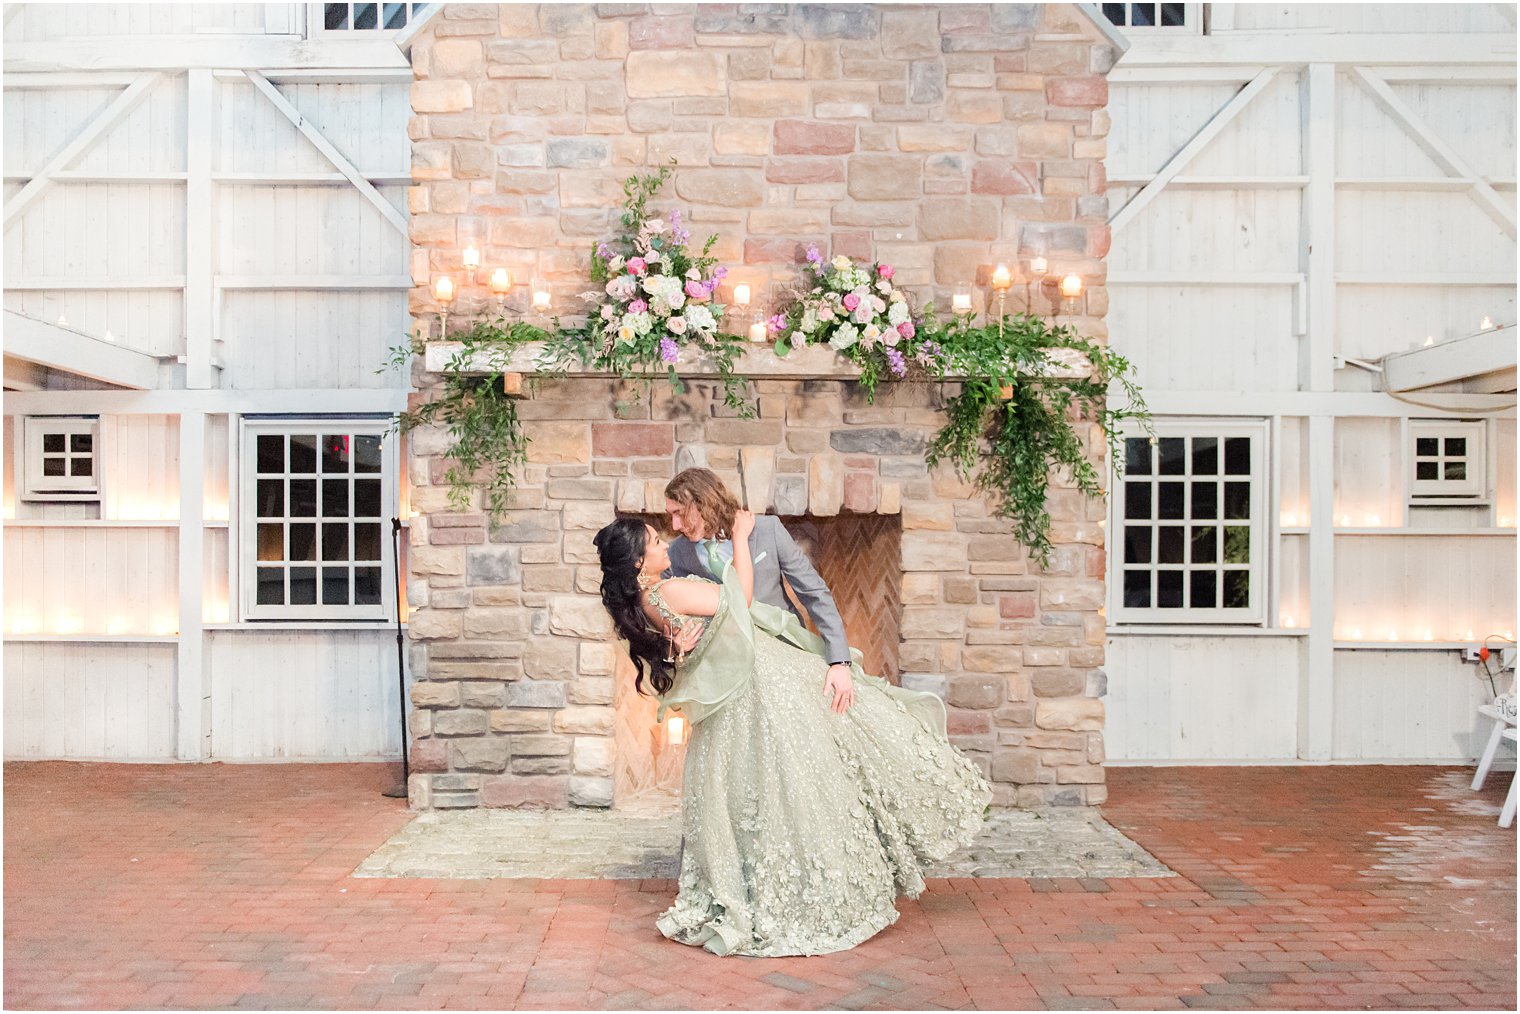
443	290
1001	279
741	295
1071	286
501	281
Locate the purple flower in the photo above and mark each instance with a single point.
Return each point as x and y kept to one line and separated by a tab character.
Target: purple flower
603	251
777	323
813	256
669	351
719	273
895	362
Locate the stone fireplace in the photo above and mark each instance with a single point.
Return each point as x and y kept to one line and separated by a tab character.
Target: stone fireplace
939	139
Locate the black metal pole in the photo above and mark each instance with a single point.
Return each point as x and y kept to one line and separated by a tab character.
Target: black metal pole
400	791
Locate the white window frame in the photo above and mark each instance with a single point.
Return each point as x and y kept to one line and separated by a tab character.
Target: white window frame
316	22
1192	22
1259	523
68	487
252	427
1471	490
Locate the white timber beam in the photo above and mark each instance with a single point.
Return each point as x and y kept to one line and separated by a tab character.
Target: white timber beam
1393	49
66	350
81	142
1180	161
1317	227
191	700
213	52
1450	361
1331	404
297	401
313	282
1442	153
391	214
200	284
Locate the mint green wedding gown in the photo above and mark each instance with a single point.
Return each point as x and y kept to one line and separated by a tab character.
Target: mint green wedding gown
802	826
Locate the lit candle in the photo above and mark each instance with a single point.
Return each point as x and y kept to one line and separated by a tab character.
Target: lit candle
1290	520
1001	279
961	302
540	294
63	321
1071	286
1393	635
757	331
1288	621
675	730
501	281
108	336
1038	265
1430	339
1486	324
1374	521
1430	635
741	294
470	258
443	289
1345	521
1506	522
1356	633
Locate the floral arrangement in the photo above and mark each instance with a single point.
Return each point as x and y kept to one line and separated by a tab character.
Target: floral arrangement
861	314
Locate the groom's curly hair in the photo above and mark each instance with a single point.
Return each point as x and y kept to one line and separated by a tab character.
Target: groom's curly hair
703	487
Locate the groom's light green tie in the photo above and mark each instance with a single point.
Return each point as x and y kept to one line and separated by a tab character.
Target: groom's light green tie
714	561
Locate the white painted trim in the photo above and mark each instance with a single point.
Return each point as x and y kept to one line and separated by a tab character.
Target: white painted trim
1110	31
200	141
1332	404
404	38
62	348
192	702
337	75
92	283
332	154
1466	50
313	282
1450	361
1316	696
179	52
1215	182
293	401
79	144
1191	278
1404	279
87	176
1443	154
1317	89
1192	149
309	179
1418	184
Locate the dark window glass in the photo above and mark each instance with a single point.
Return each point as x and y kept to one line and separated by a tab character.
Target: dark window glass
86	466
1237	456
82	443
1114	13
366	16
1456	446
1205	501
366	542
1172	500
1237	500
1205	455
1142	15
1237	589
1137	544
1170	543
53	443
1169	589
395	15
52	466
1237	544
1456	470
335	17
367	586
335	452
1427	447
1173	455
271	542
1427	470
303	541
335	542
271	453
335	498
1203	592
366	453
1137	588
1205	544
1173	15
335	586
303	586
1137	500
1137	456
303	498
271	586
303	453
271	498
366	498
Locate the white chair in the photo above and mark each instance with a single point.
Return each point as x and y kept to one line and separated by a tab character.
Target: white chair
1502	720
1507	815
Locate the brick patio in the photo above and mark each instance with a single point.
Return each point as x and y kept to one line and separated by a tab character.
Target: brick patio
216	886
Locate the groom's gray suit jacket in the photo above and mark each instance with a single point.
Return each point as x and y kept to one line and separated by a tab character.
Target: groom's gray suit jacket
782	557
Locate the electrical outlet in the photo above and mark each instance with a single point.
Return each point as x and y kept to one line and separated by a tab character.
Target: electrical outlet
1470	655
1503	658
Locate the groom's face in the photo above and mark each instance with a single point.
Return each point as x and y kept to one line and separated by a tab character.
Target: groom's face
685	519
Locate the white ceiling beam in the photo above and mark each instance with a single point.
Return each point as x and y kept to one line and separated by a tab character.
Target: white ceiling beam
1450	361
215	52
1472	49
299	283
102	122
1180	161
69	351
292	401
340	162
1442	153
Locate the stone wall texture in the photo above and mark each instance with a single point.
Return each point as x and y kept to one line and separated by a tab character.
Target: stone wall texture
940	140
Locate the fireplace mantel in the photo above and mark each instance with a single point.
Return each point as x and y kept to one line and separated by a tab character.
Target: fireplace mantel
812	363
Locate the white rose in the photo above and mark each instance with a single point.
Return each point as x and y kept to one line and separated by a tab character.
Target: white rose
797	339
699	317
677	325
843	337
694	275
841	263
897	314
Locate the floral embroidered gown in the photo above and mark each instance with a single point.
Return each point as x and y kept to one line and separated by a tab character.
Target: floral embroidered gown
802	826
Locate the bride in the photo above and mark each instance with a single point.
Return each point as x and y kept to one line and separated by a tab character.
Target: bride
802	824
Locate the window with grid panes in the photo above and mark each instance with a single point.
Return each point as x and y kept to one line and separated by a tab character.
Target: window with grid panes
378	17
1189	515
1180	19
317	497
60	461
1446	460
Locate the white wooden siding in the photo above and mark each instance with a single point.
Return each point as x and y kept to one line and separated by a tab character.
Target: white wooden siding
328	695
91	580
1347	18
36	22
90	701
1403	705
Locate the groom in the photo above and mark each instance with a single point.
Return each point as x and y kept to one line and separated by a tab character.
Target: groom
702	511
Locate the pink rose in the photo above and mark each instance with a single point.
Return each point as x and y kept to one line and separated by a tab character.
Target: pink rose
637	306
696	291
906	329
636	266
886	271
851	301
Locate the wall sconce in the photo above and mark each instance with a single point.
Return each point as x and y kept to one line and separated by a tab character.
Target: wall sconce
471	261
501	285
542	299
443	294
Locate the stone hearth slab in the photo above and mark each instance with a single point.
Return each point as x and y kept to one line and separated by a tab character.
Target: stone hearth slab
644	843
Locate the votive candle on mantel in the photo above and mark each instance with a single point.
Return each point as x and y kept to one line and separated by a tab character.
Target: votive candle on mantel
541	298
443	289
1071	286
1038	266
757	331
501	281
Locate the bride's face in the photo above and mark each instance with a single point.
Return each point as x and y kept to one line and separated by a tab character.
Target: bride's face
656	552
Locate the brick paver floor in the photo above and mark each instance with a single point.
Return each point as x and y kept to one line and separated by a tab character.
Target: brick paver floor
228	886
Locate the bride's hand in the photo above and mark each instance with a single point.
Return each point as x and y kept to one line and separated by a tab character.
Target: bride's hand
744	523
687	637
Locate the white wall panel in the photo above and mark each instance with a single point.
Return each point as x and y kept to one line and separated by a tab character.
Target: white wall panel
363	121
1369	474
37	22
328	230
1504	479
140	466
1409	232
1408	586
1152	121
89	701
1346	18
309	339
1403	705
1372	320
39	122
1177	336
303	695
1208	232
1201	698
91	580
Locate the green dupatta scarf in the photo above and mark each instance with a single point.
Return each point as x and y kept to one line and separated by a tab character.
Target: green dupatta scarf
723	662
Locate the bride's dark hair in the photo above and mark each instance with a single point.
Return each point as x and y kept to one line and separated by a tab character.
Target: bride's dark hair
621	547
